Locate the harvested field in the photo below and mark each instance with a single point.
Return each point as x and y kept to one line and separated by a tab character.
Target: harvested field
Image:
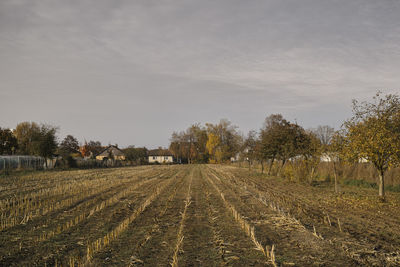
190	215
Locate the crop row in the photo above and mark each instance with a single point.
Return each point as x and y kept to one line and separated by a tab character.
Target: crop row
246	226
267	201
180	237
82	191
18	187
54	188
86	214
102	242
291	206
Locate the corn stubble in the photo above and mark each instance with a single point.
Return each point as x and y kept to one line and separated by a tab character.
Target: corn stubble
246	227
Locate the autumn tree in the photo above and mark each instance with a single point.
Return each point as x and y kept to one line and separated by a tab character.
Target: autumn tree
45	143
269	135
373	133
26	132
281	140
182	146
229	140
94	147
308	145
292	142
8	142
193	141
213	145
197	137
201	145
68	146
276	140
84	150
175	146
136	155
35	139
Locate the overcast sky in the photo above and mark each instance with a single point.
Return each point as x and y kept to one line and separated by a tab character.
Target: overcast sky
131	72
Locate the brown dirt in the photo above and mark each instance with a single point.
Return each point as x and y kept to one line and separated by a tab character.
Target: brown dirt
369	230
212	210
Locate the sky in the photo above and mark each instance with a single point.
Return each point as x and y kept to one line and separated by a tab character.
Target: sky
132	72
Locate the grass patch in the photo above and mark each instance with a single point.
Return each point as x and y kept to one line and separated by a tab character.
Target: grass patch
364	184
360	183
393	188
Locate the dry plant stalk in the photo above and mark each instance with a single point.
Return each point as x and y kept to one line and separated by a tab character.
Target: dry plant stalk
64	193
104	241
246	227
180	236
274	206
86	214
339	225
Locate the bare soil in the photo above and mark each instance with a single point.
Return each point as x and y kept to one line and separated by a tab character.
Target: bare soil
193	215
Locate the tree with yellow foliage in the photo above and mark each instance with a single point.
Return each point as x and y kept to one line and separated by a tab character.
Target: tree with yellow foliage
373	133
212	145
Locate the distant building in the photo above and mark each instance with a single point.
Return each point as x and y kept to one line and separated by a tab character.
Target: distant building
111	152
160	156
325	158
236	158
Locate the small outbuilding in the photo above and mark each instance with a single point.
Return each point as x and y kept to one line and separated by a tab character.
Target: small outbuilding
111	152
160	156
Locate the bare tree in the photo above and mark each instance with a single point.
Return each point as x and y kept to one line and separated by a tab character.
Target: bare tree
324	133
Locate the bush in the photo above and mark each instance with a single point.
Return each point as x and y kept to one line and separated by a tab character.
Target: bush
289	173
71	162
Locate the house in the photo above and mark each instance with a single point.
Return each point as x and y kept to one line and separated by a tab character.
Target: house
111	152
329	158
160	156
236	158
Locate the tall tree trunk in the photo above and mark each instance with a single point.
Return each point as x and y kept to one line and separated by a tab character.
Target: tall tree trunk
335	175
281	168
312	174
189	154
270	165
382	184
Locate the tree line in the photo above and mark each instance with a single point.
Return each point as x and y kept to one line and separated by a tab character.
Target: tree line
214	143
371	135
281	147
39	139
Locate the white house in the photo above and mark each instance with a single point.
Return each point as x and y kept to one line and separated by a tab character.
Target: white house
160	156
327	158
